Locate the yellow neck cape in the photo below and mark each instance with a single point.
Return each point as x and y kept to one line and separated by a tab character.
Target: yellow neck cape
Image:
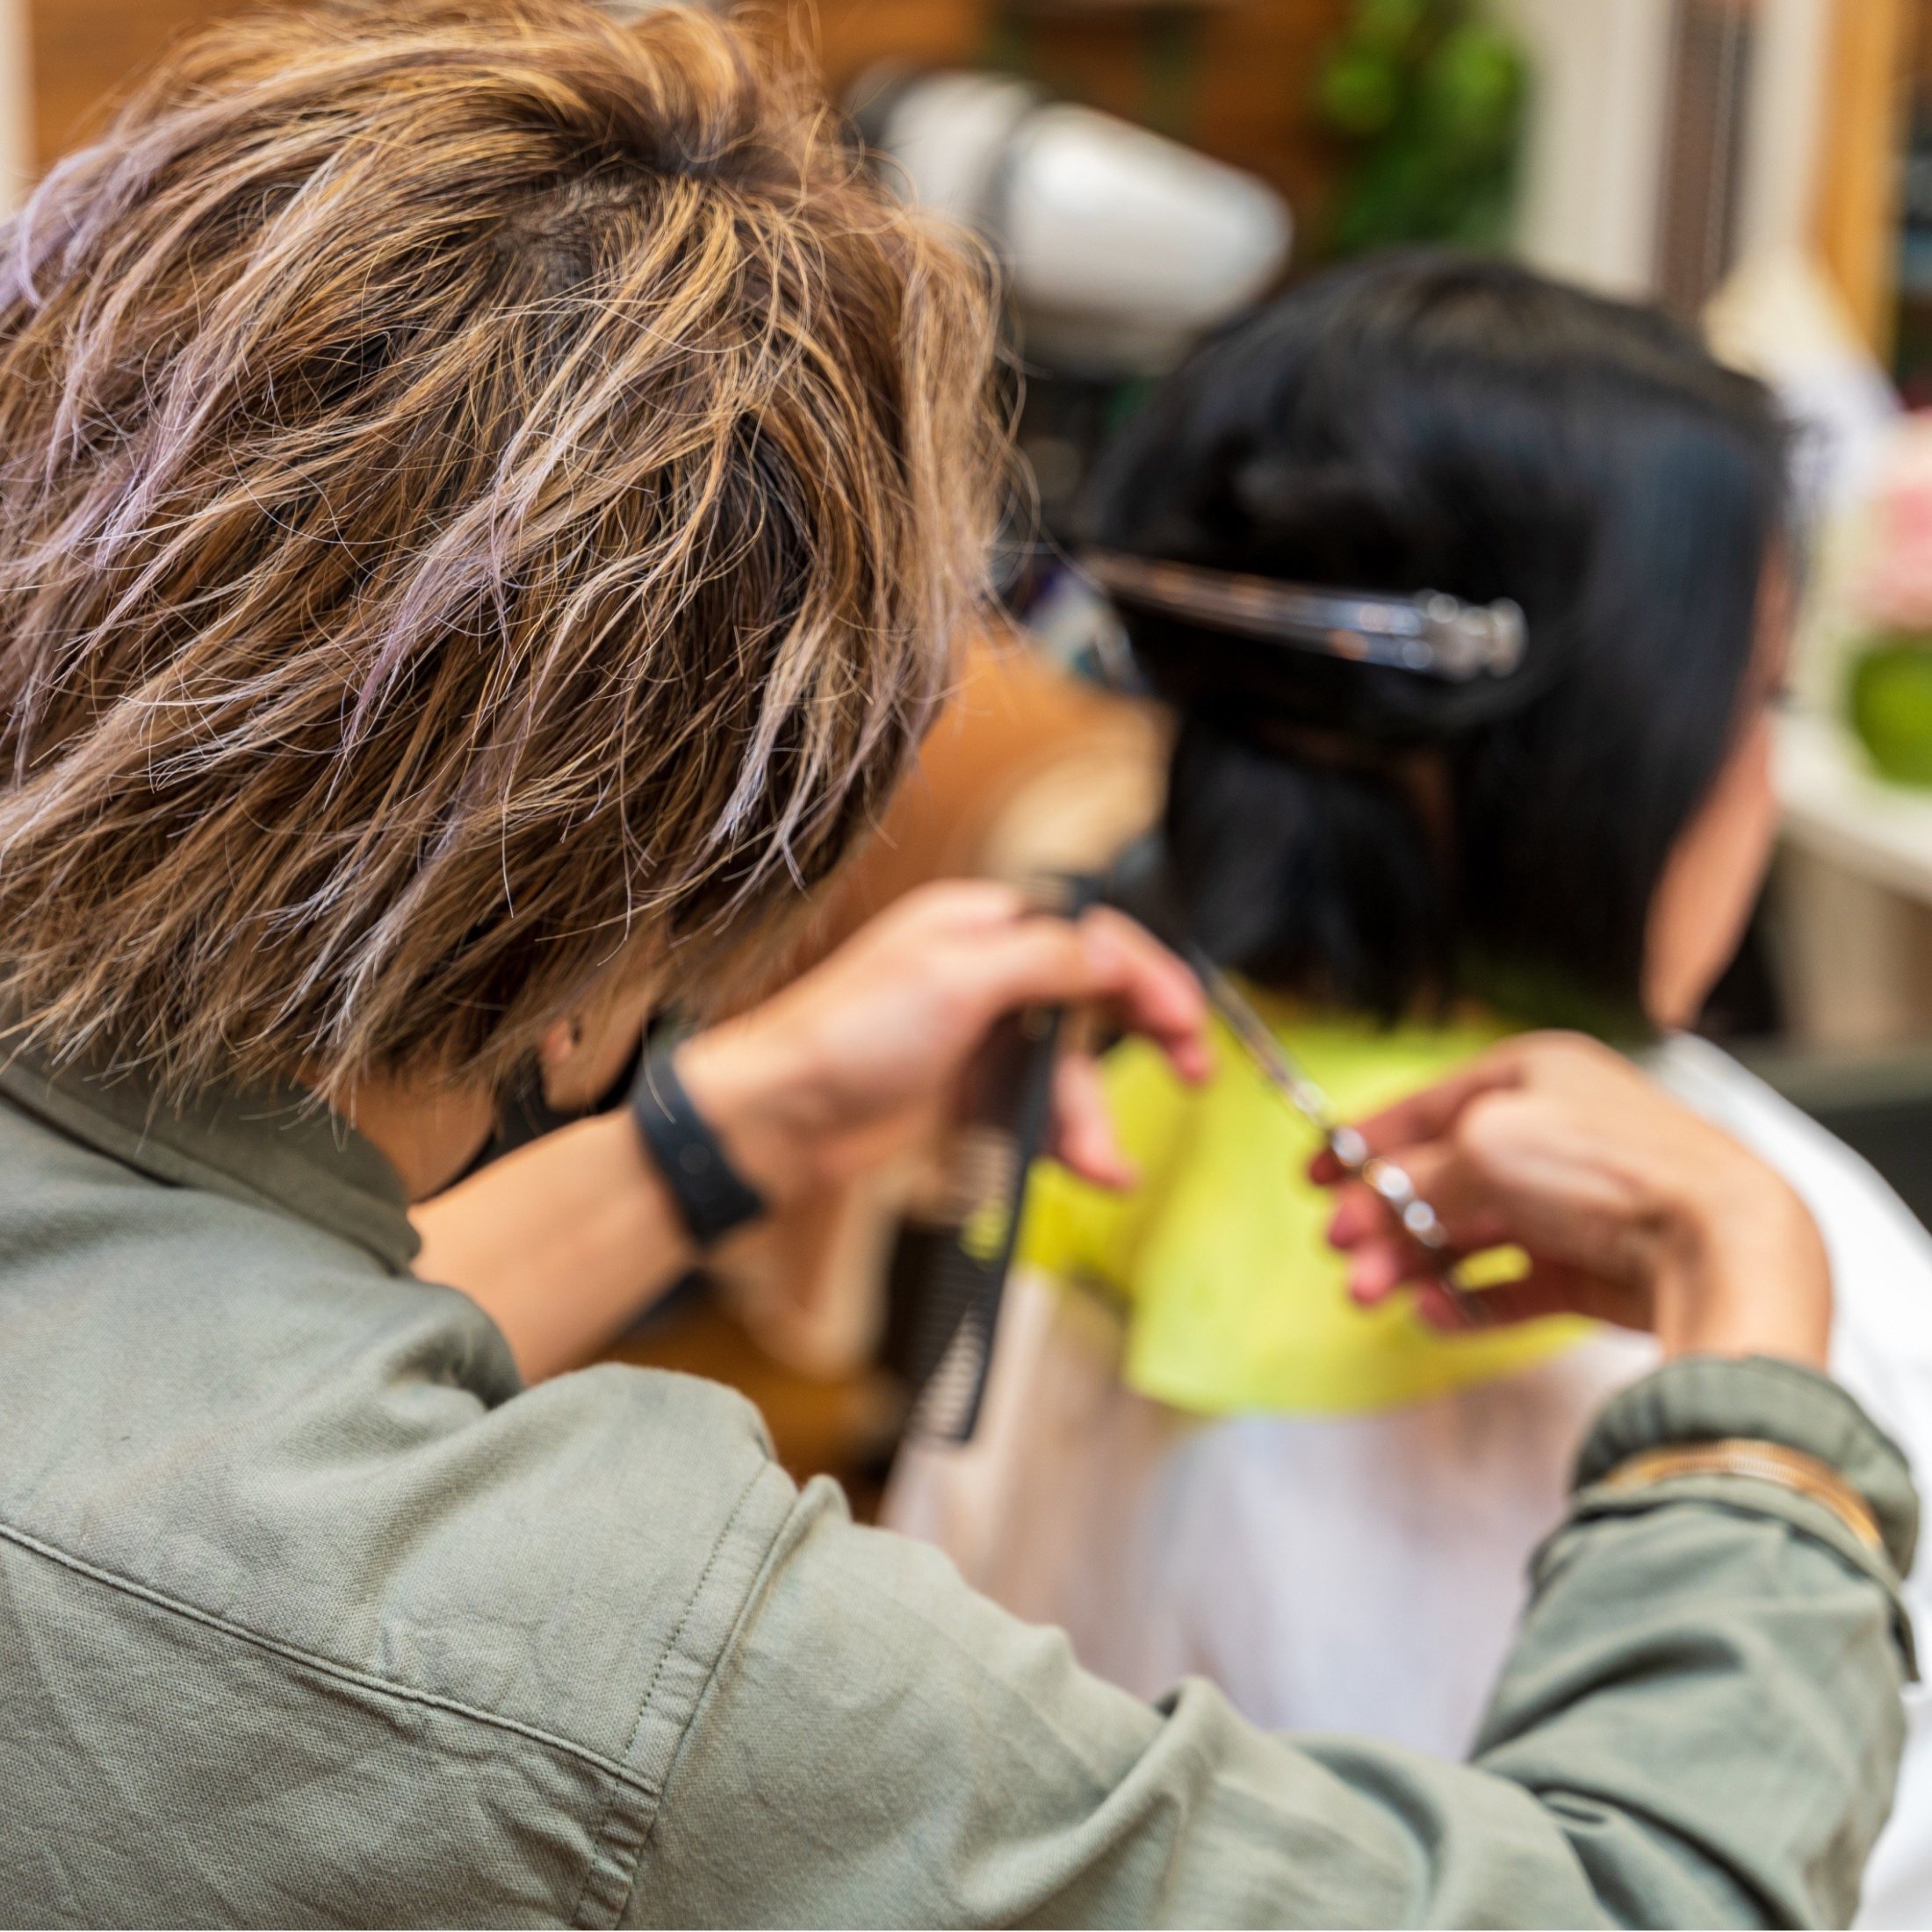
1234	1300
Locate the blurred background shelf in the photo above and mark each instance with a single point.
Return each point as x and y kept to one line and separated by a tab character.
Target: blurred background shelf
1834	807
1851	902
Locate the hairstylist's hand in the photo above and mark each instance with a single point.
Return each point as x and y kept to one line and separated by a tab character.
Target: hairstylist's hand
851	1059
1631	1209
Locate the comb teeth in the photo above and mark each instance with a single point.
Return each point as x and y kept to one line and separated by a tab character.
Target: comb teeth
948	1405
948	1269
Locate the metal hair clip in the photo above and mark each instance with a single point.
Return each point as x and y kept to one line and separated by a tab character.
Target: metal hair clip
1390	1182
1431	633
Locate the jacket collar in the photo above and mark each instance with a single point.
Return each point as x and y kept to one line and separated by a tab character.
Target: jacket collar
272	1147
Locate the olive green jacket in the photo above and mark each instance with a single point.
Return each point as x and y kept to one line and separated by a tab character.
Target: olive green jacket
310	1613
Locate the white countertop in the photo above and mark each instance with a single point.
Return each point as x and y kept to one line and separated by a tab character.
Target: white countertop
1834	805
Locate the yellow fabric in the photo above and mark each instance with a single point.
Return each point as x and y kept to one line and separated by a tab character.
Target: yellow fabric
1235	1300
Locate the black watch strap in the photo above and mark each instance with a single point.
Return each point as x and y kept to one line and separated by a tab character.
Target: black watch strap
711	1195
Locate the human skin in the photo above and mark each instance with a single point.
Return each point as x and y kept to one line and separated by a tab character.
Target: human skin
563	1241
1711	881
1633	1210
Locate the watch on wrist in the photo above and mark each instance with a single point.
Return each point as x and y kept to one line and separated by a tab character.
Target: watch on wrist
713	1199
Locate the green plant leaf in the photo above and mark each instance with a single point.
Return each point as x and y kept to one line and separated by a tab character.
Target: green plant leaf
1359	93
1390	27
1471	88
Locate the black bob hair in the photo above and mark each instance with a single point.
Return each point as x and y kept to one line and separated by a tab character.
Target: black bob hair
1426	421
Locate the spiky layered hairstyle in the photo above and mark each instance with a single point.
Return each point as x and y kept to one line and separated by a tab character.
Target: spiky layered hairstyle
485	494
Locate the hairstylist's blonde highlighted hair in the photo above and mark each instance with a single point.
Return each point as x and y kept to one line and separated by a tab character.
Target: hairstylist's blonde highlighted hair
483	489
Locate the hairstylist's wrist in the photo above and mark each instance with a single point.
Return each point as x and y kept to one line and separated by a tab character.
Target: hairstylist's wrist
741	1079
1742	1269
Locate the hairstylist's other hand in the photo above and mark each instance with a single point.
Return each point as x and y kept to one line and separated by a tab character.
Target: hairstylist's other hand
850	1060
1631	1209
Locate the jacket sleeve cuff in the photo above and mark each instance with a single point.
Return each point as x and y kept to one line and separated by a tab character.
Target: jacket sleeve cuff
1708	1399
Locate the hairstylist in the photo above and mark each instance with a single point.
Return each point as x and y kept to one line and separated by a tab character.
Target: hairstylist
485	492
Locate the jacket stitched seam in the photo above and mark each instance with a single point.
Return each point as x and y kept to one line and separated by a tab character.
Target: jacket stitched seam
650	1691
327	1667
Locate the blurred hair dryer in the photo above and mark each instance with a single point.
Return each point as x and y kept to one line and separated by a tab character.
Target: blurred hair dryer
1121	248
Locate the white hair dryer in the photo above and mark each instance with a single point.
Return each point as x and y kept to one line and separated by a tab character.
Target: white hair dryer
1121	247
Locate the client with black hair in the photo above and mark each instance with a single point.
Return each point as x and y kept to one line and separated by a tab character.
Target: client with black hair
1213	1444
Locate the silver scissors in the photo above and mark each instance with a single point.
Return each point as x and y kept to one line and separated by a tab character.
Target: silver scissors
1290	1079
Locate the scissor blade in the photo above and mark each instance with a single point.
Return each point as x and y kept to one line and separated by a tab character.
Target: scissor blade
1257	1040
1278	1068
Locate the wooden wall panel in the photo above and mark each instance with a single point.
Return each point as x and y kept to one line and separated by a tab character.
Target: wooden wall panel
1235	83
853	33
83	51
1864	138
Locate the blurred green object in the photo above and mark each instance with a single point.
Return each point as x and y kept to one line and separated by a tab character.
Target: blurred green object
1891	703
1429	96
